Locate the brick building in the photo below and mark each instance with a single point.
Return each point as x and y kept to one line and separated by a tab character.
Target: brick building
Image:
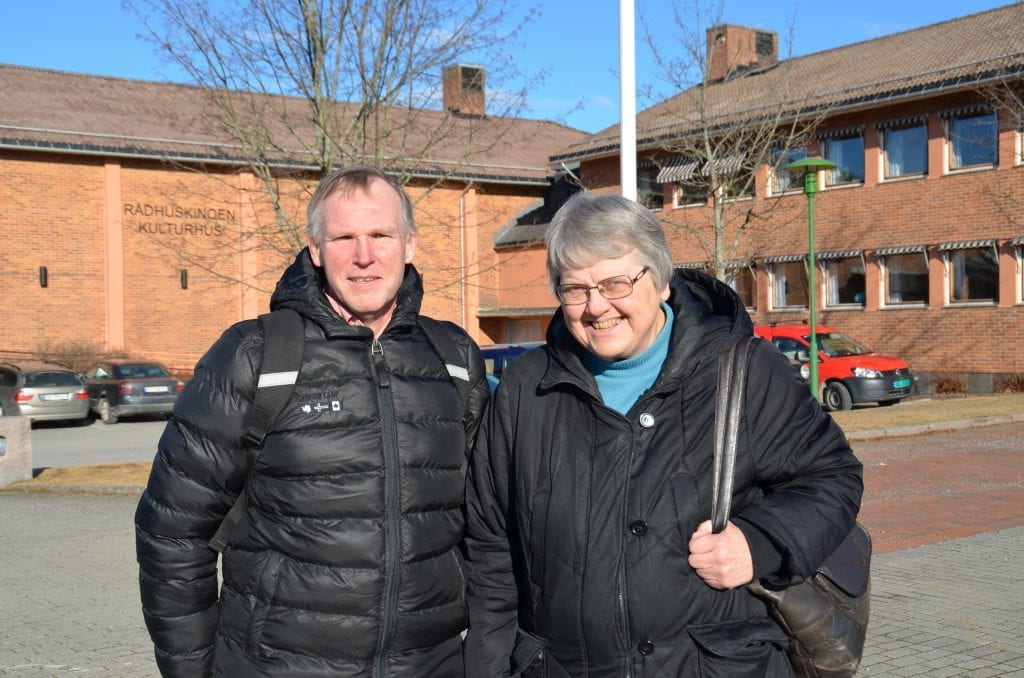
919	230
130	224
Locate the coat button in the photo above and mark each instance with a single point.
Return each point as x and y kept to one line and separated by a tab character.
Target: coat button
638	527
647	420
645	647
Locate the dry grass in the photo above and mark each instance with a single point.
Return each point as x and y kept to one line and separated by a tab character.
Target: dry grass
127	474
930	411
910	412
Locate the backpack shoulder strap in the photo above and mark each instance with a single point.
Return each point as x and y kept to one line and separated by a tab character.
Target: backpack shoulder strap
453	349
283	343
732	382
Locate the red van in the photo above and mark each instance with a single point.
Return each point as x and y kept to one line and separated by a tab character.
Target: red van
848	372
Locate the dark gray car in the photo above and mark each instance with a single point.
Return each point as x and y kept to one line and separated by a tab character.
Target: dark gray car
42	392
121	388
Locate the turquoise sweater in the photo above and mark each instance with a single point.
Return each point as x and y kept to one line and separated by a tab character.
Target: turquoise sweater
622	382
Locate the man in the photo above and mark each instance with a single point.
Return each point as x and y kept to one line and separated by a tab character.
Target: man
345	561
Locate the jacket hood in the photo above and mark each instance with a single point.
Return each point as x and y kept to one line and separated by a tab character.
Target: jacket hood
709	317
301	288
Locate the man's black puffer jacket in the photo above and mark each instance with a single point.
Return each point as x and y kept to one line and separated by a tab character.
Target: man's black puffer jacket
578	518
346	562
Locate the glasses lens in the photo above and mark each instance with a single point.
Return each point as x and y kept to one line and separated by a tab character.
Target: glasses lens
615	288
572	294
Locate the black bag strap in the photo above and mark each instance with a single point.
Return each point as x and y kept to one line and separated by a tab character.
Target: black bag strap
283	343
732	382
446	344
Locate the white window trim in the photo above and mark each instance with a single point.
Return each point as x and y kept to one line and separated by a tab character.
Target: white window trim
947	265
883	156
770	263
883	269
947	153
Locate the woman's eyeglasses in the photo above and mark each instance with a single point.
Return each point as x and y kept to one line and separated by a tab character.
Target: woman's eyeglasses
616	287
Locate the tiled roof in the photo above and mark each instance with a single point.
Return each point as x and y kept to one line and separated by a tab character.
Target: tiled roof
97	115
959	53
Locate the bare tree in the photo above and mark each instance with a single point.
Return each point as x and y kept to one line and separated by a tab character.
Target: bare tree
1004	91
729	119
297	88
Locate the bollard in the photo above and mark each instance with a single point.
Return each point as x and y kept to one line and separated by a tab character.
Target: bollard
15	450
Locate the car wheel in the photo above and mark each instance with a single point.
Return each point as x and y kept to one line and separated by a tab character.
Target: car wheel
107	415
837	397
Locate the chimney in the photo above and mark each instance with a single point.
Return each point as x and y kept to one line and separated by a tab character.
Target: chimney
464	90
734	50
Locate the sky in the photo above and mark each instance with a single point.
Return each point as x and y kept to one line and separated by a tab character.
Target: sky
574	42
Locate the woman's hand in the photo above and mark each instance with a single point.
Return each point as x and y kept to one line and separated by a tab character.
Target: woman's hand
722	560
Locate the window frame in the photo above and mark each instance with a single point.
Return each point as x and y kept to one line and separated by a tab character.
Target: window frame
683	198
826	263
951	119
791	155
652	200
954	277
774	281
885	266
1018	256
827	143
886	133
747	270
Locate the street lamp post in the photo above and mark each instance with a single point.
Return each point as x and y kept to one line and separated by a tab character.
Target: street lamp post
810	167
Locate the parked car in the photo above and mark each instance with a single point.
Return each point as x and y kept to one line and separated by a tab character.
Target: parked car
121	388
42	392
497	357
848	372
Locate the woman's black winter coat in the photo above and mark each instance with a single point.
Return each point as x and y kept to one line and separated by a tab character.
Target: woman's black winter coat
579	517
346	562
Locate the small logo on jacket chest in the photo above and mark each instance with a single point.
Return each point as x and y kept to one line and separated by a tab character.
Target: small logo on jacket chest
319	407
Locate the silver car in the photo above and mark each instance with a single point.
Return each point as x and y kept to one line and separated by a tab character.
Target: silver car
42	392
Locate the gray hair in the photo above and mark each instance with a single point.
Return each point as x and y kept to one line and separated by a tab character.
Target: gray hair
590	227
347	181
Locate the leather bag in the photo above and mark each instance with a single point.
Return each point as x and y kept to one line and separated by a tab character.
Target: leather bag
826	615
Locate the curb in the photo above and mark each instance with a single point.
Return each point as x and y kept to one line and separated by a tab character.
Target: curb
73	489
852	436
918	429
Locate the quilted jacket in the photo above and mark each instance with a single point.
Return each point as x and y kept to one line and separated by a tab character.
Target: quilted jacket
346	562
579	517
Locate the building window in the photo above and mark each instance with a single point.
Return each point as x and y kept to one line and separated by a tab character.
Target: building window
691	192
519	331
650	193
905	151
745	283
905	272
973	272
789	284
782	180
1020	137
847	152
1019	243
740	184
973	140
844	279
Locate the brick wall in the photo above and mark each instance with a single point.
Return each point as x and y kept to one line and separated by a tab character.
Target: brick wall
219	228
983	204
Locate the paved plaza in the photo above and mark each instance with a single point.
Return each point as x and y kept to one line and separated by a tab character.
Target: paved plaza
947	512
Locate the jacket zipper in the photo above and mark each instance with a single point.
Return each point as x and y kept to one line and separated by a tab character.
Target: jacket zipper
391	508
621	584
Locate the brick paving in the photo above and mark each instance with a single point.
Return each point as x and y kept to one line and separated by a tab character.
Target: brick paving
946	511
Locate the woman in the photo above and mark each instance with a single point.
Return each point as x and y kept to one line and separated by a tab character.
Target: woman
588	534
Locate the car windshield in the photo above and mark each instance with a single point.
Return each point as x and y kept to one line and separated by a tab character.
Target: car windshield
837	345
50	379
139	371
